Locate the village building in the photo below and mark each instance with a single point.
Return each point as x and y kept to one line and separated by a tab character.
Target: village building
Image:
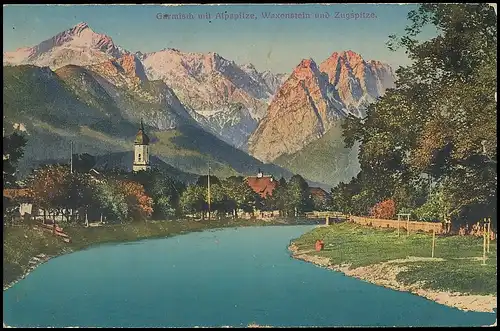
141	151
27	208
262	185
22	196
317	193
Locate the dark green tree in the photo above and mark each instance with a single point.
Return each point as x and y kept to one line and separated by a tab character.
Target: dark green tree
203	180
83	162
279	199
439	123
13	151
193	199
298	198
164	191
81	194
239	195
111	201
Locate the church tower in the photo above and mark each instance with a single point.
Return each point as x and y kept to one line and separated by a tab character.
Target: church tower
141	150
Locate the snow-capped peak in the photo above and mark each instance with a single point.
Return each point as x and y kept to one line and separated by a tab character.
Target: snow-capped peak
79	45
80	27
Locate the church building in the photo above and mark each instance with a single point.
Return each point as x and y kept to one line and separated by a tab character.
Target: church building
141	151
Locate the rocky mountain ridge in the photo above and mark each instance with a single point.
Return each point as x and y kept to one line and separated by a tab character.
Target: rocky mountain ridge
209	86
269	115
313	98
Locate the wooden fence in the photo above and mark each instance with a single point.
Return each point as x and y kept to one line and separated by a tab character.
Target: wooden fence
404	225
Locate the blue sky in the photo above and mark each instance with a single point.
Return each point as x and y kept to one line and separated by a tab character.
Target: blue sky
274	44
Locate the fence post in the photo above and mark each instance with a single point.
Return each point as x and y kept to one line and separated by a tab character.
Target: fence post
433	241
484	244
488	235
327	220
407	226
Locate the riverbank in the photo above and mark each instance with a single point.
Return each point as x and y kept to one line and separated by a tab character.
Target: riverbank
454	277
27	246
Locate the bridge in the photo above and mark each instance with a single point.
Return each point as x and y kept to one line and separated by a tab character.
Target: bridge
327	215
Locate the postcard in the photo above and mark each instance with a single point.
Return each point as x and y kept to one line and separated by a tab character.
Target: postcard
250	165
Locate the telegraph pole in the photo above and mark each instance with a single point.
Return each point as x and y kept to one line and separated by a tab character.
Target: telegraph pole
484	241
71	170
488	236
71	157
208	190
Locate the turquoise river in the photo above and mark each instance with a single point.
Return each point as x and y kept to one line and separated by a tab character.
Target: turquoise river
228	277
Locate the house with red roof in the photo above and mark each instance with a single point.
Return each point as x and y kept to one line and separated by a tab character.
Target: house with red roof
318	193
319	196
262	185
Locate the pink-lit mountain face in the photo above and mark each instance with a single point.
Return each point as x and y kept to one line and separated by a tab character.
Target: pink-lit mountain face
313	98
357	81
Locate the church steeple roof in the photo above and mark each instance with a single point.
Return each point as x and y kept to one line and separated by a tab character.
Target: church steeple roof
141	138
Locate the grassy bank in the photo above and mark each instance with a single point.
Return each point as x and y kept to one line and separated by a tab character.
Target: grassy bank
457	268
21	243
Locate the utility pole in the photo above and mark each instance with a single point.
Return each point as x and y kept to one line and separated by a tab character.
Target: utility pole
433	241
484	241
489	235
399	217
208	178
407	225
71	157
71	171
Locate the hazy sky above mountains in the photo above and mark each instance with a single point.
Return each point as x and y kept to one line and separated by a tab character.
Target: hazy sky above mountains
274	44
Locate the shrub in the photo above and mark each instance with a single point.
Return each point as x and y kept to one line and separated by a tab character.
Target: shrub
385	209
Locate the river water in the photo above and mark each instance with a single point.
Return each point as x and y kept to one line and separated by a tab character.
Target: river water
227	277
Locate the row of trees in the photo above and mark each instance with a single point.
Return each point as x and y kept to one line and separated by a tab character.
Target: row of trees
228	196
121	196
78	193
58	191
430	143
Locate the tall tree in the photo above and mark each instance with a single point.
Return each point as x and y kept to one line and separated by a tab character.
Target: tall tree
239	195
111	200
218	199
298	195
439	123
192	199
80	193
280	197
140	206
203	180
164	191
13	151
83	162
50	186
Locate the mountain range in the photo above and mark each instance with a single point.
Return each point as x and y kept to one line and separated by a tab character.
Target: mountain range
199	107
314	98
